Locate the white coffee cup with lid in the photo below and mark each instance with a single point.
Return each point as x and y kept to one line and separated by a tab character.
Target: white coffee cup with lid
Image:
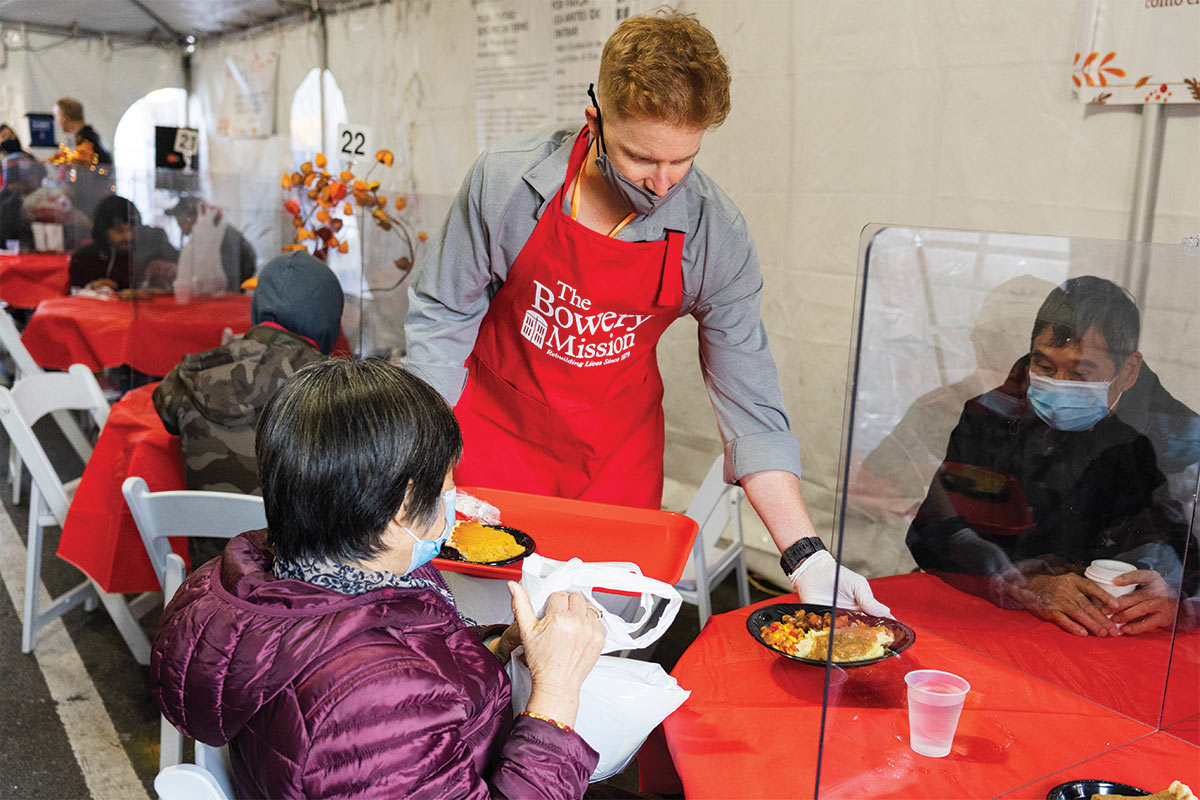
1103	571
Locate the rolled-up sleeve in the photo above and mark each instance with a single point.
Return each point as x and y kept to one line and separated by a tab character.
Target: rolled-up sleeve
448	299
735	356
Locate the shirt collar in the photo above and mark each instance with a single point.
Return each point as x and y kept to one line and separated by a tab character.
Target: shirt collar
549	174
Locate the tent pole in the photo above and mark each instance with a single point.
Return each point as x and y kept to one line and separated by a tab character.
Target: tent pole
186	66
1145	196
323	45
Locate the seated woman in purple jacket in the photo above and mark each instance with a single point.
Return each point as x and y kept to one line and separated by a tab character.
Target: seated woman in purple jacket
329	654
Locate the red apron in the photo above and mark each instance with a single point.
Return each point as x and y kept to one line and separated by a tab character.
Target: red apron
563	394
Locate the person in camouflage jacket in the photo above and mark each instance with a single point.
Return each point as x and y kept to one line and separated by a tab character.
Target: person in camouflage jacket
212	400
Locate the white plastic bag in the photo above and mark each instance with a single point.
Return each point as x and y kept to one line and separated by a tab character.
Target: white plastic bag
621	700
542	577
200	272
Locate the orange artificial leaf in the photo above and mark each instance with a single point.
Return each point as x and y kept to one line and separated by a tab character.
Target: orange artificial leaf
379	214
1076	61
345	176
297	179
344	247
1076	79
306	167
382	199
320	160
286	183
296	221
385	157
1108	58
401	203
1087	61
323	216
374	187
303	233
337	191
1089	80
312	194
1114	71
422	235
292	207
1141	81
360	186
310	178
348	209
1103	82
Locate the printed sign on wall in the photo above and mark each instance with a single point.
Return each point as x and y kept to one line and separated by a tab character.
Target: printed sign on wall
247	107
1137	51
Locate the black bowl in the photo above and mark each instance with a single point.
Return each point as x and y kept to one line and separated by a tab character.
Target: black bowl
905	635
523	539
1084	789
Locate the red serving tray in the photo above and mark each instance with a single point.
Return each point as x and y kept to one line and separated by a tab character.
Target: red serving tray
657	541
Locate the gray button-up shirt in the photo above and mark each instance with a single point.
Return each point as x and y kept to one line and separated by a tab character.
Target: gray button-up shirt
500	202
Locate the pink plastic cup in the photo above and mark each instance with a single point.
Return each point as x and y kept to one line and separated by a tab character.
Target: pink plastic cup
935	701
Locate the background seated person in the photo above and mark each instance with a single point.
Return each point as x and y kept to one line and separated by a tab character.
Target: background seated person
237	255
123	253
335	661
22	176
1041	477
212	400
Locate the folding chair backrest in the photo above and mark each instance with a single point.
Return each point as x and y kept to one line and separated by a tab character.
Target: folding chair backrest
32	398
187	513
10	340
711	507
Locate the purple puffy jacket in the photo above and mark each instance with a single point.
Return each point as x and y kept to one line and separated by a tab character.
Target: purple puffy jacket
320	694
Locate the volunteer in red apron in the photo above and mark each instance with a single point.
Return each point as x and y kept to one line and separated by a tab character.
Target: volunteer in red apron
538	306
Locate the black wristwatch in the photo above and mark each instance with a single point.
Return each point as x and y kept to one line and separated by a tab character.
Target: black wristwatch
799	551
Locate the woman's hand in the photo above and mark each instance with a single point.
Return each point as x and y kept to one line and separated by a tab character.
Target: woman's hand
560	649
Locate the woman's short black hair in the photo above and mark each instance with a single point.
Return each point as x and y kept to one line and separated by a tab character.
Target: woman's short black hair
340	446
1079	303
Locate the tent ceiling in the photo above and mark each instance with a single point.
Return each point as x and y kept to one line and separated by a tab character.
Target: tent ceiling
157	19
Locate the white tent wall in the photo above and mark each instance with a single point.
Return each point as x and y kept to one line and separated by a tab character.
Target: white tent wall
927	112
107	79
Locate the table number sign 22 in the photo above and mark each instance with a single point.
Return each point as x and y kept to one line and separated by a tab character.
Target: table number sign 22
354	142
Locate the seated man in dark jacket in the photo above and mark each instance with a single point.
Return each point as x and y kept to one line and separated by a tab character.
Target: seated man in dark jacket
124	253
237	255
22	175
212	400
1045	474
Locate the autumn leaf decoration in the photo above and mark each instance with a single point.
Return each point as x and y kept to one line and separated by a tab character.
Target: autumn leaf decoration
1193	85
318	203
1095	73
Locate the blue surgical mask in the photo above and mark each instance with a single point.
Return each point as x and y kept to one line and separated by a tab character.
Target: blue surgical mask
640	199
1068	405
425	550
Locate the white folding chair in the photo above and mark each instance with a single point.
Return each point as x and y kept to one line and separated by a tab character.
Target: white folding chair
716	508
160	515
207	779
32	398
10	340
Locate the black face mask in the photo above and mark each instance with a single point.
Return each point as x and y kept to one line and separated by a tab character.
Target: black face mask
641	200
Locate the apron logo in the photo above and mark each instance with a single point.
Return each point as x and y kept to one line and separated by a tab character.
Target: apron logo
580	339
534	328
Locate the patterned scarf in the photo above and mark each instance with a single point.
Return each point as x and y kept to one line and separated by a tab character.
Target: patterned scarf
352	580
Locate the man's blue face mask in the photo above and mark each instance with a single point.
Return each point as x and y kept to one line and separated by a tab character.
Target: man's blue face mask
1068	405
425	550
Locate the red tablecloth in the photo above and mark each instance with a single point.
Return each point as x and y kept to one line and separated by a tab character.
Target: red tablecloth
30	278
148	335
99	535
750	728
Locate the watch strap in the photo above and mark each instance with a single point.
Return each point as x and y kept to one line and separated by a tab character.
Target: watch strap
800	550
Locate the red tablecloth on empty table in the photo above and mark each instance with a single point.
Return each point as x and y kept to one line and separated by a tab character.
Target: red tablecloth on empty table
750	727
148	335
99	535
30	278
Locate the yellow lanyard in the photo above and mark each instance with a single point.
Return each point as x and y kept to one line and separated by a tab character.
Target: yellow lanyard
575	201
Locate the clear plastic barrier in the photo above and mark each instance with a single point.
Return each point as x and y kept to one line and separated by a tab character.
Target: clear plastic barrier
1021	431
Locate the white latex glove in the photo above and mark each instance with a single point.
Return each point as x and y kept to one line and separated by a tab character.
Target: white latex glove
813	581
475	508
